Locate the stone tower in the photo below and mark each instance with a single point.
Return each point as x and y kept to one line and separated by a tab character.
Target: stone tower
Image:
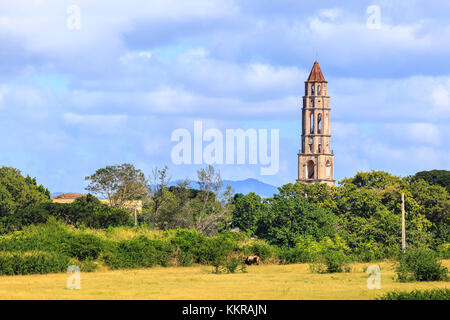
316	160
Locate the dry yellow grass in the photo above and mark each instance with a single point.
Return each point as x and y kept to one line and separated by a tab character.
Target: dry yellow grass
261	282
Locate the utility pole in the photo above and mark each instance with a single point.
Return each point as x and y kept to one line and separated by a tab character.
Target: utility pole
403	224
135	216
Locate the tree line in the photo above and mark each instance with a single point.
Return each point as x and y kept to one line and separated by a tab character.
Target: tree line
361	215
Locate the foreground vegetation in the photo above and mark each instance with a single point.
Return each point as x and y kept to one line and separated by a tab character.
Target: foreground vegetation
53	246
432	294
328	227
293	281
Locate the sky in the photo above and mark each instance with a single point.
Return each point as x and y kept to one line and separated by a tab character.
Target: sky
85	84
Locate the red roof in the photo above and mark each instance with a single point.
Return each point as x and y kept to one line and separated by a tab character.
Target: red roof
316	74
69	196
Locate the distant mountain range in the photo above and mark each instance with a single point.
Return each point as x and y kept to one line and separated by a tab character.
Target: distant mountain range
242	186
252	185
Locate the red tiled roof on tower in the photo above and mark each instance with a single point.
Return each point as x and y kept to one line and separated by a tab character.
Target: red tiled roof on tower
316	74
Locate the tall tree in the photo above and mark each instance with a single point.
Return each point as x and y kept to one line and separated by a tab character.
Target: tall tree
159	196
216	205
18	192
434	177
118	184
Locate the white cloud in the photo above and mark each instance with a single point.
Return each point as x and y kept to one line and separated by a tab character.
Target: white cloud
425	133
229	64
264	76
331	14
440	97
101	122
131	56
42	26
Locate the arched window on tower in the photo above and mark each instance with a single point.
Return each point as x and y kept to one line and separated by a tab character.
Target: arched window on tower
311	147
319	123
328	169
311	123
312	89
320	148
310	165
318	90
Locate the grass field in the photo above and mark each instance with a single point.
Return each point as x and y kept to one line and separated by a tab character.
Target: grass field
261	282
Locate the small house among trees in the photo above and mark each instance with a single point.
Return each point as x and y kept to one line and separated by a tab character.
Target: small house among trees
71	197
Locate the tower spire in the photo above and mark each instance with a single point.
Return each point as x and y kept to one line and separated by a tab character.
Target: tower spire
316	74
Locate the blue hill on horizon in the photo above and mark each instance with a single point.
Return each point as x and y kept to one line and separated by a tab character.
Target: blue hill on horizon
242	186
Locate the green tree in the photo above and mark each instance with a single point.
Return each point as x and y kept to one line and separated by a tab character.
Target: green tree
434	177
289	218
248	209
18	192
118	184
216	205
434	202
159	195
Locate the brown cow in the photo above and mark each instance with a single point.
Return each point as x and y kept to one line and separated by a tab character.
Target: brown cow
252	260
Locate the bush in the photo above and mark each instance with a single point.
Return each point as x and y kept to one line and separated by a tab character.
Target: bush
444	250
53	237
12	263
261	249
433	294
313	247
369	251
82	246
292	255
140	252
331	261
187	244
231	264
184	258
214	251
420	264
87	211
85	266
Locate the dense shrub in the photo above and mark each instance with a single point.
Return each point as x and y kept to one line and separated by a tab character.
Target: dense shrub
187	244
93	214
192	247
288	255
289	217
231	264
82	246
370	251
140	252
85	266
330	261
261	249
310	249
443	250
433	294
420	264
85	211
12	263
183	247
53	237
214	251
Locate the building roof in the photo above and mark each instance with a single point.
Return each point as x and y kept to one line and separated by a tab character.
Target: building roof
316	74
69	196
